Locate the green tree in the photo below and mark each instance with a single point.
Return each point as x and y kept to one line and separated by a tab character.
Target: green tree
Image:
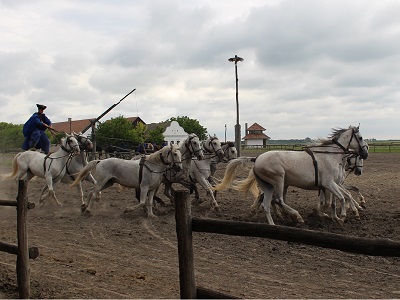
120	128
191	126
11	136
156	135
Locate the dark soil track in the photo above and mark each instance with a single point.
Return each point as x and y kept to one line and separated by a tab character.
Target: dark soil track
117	255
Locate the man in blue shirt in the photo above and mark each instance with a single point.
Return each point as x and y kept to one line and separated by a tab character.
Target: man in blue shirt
34	131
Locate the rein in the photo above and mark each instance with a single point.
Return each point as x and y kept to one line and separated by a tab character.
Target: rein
142	164
70	155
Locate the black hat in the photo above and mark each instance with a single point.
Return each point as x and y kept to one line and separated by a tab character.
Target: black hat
40	106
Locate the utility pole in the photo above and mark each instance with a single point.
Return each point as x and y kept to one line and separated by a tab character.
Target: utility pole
236	59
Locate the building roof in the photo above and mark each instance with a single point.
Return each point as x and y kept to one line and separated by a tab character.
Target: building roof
256	127
135	120
75	126
79	125
256	136
153	126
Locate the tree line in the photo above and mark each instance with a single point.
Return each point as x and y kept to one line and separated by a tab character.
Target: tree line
107	133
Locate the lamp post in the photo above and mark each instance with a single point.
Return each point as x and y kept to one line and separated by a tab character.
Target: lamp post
70	125
225	133
236	59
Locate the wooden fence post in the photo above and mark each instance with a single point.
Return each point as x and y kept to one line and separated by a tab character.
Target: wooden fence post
183	217
23	269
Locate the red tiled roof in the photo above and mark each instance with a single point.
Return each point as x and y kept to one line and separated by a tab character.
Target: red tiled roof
256	127
76	126
79	125
256	136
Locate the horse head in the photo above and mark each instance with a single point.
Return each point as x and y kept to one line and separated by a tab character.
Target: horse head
70	144
230	152
213	145
174	157
193	144
85	144
351	138
354	163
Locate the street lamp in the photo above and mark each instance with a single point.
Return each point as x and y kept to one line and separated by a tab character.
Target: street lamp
70	127
237	126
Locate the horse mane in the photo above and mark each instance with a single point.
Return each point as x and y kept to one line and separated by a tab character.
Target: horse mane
336	132
155	157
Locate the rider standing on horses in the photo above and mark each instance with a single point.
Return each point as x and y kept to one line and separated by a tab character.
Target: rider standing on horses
34	131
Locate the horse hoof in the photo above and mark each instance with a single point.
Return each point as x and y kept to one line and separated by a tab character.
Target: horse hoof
152	216
217	208
86	213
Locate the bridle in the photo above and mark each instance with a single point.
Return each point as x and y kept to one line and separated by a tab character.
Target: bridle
347	149
71	148
71	153
207	150
190	147
84	142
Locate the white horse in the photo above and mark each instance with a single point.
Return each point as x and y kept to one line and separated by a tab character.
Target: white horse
76	164
210	148
190	148
200	170
351	164
51	167
314	169
144	174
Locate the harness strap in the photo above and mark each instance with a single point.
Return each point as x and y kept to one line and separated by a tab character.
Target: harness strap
308	150
141	164
44	163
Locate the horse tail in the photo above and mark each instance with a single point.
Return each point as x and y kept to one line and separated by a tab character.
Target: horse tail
248	184
230	172
14	167
87	169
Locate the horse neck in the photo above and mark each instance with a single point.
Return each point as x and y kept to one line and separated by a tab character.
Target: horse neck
61	153
186	152
80	159
155	160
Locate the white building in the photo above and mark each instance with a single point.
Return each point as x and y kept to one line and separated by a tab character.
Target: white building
174	133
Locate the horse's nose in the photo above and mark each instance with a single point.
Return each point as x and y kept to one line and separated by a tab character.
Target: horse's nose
200	156
178	167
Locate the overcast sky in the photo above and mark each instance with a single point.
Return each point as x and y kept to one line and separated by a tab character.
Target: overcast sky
309	65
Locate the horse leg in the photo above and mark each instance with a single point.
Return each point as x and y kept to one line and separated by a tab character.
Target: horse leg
351	201
80	191
268	191
86	208
142	201
149	204
207	186
50	185
360	196
168	192
280	192
325	200
335	190
42	198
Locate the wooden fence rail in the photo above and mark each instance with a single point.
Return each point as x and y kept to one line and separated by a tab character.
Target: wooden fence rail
23	252
186	224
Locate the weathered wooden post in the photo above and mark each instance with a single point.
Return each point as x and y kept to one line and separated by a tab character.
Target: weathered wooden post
183	217
23	269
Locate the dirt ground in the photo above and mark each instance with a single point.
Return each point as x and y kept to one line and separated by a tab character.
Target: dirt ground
116	255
